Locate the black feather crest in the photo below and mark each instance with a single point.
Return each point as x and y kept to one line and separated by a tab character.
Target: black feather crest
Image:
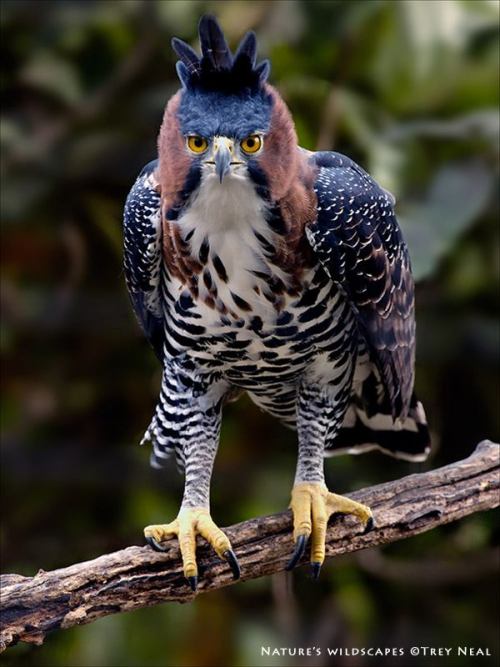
213	44
217	69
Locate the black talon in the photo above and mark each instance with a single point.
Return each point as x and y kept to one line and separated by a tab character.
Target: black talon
300	547
370	525
230	556
193	582
155	545
315	570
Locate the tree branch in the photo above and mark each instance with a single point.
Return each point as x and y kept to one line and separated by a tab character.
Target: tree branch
139	577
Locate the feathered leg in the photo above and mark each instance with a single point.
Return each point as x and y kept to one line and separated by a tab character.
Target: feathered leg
189	422
312	504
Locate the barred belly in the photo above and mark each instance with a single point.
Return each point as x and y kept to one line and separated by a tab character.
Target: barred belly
268	352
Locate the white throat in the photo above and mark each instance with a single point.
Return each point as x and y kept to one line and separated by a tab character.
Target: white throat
232	204
228	216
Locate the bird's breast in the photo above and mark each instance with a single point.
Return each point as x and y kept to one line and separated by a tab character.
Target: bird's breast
225	251
241	299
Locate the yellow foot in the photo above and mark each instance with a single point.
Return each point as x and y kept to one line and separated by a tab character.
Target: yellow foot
312	505
190	522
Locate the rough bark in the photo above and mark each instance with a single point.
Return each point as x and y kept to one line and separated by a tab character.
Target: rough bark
139	577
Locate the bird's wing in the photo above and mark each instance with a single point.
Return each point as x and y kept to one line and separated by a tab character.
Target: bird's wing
143	255
357	239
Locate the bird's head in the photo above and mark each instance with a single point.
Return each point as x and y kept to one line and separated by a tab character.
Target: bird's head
225	123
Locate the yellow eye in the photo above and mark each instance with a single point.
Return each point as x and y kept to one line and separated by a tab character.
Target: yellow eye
197	144
251	144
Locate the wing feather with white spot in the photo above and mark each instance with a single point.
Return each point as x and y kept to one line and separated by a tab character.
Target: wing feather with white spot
143	255
358	240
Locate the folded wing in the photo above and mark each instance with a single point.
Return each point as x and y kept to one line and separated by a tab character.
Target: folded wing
143	255
357	239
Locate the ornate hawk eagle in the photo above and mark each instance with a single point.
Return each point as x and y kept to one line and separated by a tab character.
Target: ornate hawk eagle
256	266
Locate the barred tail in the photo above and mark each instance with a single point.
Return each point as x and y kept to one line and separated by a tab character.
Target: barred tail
368	424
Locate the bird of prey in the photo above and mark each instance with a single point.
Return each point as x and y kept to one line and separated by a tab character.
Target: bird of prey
256	266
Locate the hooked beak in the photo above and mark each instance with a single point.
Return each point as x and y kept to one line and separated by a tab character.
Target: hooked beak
223	149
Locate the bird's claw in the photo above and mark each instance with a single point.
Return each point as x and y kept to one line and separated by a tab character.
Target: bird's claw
156	546
230	557
369	526
300	547
315	570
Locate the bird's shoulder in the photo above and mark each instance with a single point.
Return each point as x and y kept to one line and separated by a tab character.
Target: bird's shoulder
338	177
353	210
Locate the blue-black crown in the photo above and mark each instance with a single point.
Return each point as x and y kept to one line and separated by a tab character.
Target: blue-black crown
218	68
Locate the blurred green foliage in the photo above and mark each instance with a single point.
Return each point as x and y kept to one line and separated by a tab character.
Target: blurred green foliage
409	89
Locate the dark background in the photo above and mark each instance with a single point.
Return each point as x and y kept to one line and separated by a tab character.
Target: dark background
408	89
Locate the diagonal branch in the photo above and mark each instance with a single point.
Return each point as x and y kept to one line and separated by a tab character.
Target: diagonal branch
139	577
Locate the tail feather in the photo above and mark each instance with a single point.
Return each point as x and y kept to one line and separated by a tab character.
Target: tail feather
368	424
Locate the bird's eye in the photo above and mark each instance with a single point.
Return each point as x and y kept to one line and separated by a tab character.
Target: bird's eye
251	144
197	144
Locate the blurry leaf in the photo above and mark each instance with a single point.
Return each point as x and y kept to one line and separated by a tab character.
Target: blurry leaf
457	196
484	123
90	149
472	535
10	133
178	15
253	636
21	192
385	163
357	606
421	51
10	408
238	16
468	274
107	215
355	115
429	25
149	506
285	21
49	73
